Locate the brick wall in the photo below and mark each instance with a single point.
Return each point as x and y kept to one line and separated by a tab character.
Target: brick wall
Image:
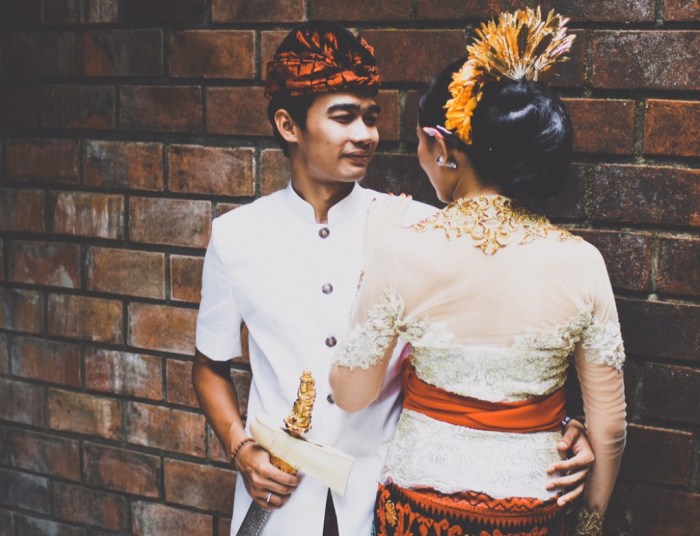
127	125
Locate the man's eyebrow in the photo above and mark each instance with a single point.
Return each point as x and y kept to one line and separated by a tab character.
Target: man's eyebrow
352	107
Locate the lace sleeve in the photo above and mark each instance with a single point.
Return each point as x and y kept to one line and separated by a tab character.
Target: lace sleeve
602	343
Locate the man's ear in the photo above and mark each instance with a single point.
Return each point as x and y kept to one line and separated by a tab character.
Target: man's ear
286	126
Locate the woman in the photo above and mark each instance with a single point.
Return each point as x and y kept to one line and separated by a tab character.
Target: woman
493	300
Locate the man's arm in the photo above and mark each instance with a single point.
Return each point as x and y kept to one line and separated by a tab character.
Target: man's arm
219	401
574	470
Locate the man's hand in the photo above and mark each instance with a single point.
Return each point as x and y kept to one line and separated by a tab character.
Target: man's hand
263	480
574	470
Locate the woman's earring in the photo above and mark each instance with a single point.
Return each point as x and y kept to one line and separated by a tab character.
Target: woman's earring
449	164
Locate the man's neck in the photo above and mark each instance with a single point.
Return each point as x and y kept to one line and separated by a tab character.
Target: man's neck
322	196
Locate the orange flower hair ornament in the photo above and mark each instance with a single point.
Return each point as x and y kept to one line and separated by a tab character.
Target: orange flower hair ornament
517	45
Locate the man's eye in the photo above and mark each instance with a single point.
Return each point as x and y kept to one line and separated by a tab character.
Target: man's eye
343	118
371	120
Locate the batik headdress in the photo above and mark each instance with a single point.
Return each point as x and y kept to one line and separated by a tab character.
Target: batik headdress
320	57
518	45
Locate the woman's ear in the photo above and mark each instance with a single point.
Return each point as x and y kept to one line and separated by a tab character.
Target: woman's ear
286	126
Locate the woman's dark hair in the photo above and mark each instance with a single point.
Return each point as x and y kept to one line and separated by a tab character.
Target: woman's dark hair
521	134
298	108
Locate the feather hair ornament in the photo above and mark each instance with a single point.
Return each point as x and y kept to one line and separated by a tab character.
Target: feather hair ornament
518	45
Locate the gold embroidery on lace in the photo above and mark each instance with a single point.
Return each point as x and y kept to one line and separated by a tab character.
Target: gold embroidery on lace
493	222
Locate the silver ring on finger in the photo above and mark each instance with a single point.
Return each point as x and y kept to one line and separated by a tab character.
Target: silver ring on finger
269	496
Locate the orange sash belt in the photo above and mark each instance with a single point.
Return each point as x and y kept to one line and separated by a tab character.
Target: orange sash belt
543	413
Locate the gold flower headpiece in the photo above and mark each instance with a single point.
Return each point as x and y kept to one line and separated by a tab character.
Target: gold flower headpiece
519	45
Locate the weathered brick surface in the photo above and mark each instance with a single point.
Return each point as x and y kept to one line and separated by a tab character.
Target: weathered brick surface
205	487
681	10
28	526
20	310
116	164
173	222
660	330
273	11
45	360
21	210
237	110
159	11
672	128
399	173
19	106
85	414
162	327
44	263
602	126
165	428
185	278
22	402
45	454
25	491
79	11
123	373
4	355
270	40
91	507
49	160
388	126
166	108
241	381
124	271
151	519
274	170
87	214
123	53
82	317
21	14
212	170
42	54
646	59
212	54
361	10
70	106
671	393
121	470
679	266
179	383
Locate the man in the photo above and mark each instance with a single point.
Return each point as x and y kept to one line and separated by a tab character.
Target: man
288	266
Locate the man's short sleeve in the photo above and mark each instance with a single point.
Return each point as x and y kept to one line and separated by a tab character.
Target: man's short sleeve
219	321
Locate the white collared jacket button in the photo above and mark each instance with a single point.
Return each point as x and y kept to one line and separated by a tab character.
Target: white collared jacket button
323	232
327	288
331	342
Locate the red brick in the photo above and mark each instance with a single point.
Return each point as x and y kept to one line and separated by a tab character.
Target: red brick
4	355
645	194
672	128
179	383
396	65
167	108
121	470
275	172
646	59
202	486
239	11
42	453
361	10
654	511
175	222
48	361
241	381
159	11
78	107
681	10
123	53
223	208
411	115
44	263
87	214
118	164
237	110
671	393
125	271
85	414
594	10
79	11
185	278
42	54
572	72
212	54
47	160
90	507
124	373
211	170
679	266
82	317
162	327
389	118
151	519
22	402
20	310
602	126
270	41
224	526
19	106
27	526
21	210
670	450
165	428
627	257
21	490
399	173
660	330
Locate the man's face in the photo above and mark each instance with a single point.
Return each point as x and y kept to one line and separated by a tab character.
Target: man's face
340	138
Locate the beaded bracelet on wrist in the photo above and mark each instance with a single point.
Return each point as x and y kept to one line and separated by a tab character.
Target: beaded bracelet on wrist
237	450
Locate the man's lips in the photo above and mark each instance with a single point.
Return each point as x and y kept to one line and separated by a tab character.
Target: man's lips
358	157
